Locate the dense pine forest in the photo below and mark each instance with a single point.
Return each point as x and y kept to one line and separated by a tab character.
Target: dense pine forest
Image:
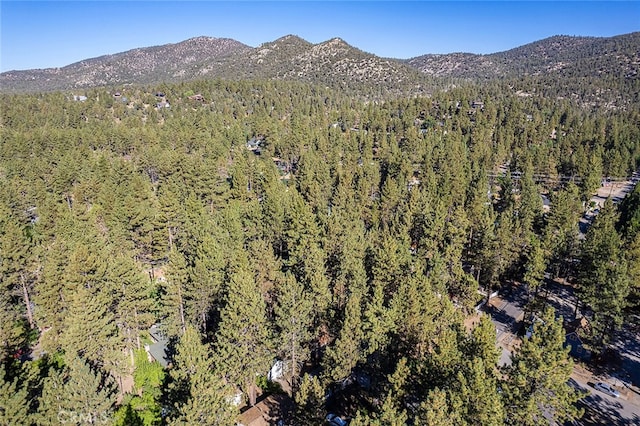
347	241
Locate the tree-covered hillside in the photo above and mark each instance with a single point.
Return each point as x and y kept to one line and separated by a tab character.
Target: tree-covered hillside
270	220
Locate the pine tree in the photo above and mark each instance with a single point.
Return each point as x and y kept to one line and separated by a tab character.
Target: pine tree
77	394
11	328
393	412
144	407
206	277
173	293
561	231
14	403
377	321
244	337
87	391
294	316
199	392
417	310
482	343
436	410
346	352
536	388
478	390
132	293
530	203
51	401
604	280
52	294
305	257
89	329
534	270
16	280
310	401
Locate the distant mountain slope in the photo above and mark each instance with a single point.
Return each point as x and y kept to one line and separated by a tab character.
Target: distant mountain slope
559	66
168	62
334	63
560	55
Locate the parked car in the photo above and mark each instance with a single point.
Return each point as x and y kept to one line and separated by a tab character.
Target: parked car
335	420
607	388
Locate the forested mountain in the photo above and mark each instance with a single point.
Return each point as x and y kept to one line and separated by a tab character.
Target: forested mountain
334	63
170	62
560	55
597	71
604	71
269	220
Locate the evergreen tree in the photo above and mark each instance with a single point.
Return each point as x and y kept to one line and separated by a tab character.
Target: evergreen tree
561	230
14	403
173	294
294	316
536	388
199	392
604	280
244	337
436	410
76	395
310	401
51	401
132	292
478	392
482	343
206	277
90	329
346	352
144	407
393	412
534	270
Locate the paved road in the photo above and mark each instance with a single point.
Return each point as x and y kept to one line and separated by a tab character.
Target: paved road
616	191
602	409
506	311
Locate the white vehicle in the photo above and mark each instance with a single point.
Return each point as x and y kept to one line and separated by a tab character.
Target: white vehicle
607	388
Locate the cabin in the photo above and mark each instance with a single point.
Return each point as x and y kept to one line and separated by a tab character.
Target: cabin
272	410
577	351
573	340
281	165
157	351
253	144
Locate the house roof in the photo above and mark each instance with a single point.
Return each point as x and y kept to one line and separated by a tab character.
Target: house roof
266	412
158	349
158	352
576	349
579	325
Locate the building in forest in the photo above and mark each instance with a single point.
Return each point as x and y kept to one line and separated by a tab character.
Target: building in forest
272	410
574	330
157	351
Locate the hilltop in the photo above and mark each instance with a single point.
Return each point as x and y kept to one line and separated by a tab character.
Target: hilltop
599	69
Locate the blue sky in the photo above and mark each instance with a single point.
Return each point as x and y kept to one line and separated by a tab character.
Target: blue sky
42	34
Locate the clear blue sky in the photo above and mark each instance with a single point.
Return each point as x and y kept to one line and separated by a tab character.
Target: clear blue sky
42	34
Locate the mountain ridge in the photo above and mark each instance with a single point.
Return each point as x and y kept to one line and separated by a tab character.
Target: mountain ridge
334	62
549	54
